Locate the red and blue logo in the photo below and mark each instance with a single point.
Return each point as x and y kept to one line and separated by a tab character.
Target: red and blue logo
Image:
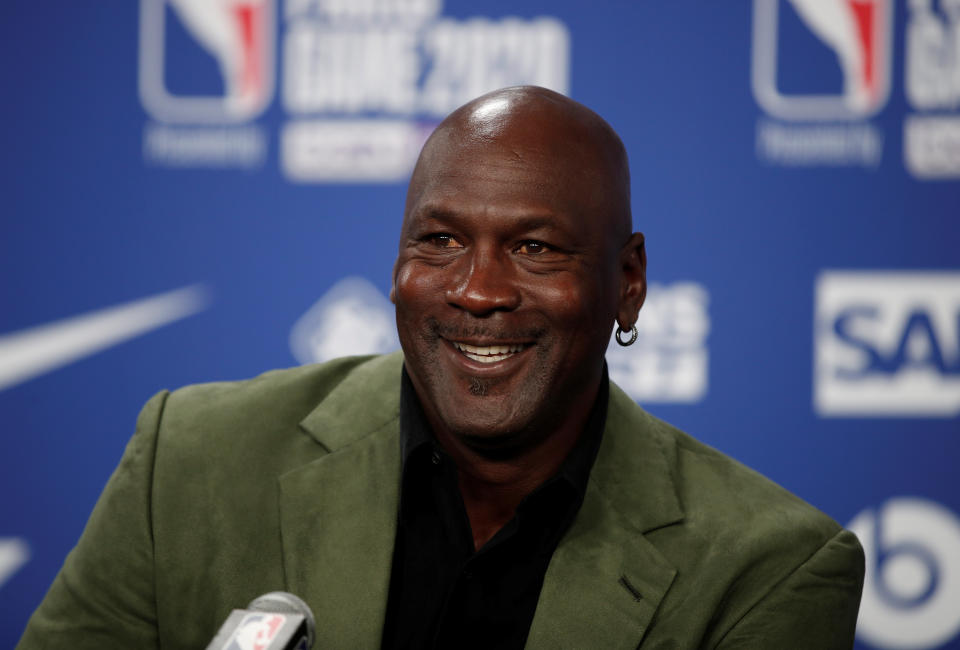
206	61
256	631
822	59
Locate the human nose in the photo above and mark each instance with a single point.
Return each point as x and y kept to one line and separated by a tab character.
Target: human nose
485	284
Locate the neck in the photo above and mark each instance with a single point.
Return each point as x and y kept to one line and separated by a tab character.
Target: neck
493	485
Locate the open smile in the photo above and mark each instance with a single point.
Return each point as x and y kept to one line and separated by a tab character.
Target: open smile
489	353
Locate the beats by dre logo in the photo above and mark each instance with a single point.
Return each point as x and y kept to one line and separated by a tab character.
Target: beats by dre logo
912	587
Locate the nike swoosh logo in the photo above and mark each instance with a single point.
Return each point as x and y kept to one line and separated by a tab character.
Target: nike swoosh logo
38	350
14	553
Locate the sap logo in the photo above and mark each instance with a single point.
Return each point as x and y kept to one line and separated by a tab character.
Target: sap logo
857	32
353	317
911	589
887	343
670	361
238	35
916	345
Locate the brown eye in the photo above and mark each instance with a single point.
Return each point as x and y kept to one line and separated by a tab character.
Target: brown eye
532	248
444	241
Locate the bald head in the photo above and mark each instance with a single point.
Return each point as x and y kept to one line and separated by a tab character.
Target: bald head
515	259
536	126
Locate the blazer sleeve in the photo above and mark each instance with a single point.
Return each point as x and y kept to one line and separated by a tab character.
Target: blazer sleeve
103	596
815	606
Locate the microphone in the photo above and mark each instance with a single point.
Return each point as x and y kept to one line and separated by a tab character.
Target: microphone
274	621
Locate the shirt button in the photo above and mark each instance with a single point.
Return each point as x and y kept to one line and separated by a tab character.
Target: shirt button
435	458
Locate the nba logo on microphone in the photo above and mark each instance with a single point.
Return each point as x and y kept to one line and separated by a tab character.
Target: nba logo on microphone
821	59
256	631
206	61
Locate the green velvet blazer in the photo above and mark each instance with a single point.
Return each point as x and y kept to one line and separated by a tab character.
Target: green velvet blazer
290	481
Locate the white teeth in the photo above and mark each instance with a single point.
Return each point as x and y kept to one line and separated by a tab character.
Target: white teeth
487	353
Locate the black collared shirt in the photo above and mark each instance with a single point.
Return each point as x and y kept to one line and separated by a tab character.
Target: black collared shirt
443	594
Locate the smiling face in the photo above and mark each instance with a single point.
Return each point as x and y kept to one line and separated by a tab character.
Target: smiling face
510	270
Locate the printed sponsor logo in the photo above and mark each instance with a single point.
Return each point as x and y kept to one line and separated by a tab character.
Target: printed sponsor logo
931	136
669	361
852	42
32	352
351	150
236	35
364	86
887	344
256	631
912	583
362	83
14	553
856	31
206	71
352	318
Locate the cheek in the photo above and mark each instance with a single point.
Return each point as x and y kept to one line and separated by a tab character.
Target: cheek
415	285
574	302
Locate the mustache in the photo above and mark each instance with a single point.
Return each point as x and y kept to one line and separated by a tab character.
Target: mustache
481	330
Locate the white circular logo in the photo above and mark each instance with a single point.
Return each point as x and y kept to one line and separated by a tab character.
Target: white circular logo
911	592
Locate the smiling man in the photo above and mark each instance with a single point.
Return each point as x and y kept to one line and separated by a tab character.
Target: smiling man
488	487
515	258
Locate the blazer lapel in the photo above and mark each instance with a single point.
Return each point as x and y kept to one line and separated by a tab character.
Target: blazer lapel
606	580
338	513
338	524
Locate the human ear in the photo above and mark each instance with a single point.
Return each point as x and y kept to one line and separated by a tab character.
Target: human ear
633	280
393	281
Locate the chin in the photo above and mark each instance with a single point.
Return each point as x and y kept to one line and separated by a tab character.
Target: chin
490	425
497	444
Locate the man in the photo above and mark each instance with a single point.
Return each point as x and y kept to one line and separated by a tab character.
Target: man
489	487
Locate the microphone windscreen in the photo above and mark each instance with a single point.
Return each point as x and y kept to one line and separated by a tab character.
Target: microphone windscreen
286	603
274	621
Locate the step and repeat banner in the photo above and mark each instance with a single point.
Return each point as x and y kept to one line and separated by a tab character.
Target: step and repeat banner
199	190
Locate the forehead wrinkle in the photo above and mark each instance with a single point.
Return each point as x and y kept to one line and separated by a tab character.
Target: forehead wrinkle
539	202
521	193
520	219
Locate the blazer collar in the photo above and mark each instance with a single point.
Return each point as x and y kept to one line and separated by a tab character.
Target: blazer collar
635	466
606	580
338	513
366	400
338	518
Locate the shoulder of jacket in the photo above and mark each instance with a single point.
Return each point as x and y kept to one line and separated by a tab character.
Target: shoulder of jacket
260	407
303	386
722	496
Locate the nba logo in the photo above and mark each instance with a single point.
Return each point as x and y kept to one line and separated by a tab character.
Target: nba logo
206	61
855	34
256	632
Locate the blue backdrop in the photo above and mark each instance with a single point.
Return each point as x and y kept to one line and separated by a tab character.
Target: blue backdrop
200	190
